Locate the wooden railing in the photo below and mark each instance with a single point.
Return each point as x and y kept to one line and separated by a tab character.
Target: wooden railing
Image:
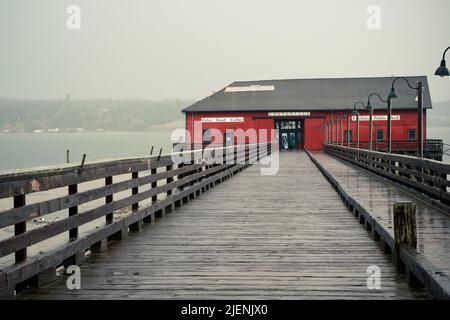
158	181
432	148
429	177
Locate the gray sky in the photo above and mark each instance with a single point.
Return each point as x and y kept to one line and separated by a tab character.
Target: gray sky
156	49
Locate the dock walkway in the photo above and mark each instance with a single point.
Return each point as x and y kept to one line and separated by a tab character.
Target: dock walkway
287	236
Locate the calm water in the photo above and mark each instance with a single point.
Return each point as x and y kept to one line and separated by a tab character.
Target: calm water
18	151
440	133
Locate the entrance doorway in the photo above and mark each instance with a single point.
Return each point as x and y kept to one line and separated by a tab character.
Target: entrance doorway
290	134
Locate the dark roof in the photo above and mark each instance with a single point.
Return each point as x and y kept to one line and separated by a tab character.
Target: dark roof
312	95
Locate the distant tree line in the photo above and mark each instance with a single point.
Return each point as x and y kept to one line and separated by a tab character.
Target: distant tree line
90	115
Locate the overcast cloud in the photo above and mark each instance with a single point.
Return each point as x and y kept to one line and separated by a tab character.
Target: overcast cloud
156	49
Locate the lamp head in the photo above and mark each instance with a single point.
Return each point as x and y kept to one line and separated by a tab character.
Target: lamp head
392	94
354	111
368	106
442	71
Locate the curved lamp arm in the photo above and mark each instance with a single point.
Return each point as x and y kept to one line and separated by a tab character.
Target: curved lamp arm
374	94
407	82
359	102
443	56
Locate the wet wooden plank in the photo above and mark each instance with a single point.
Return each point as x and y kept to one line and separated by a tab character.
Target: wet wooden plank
378	196
289	237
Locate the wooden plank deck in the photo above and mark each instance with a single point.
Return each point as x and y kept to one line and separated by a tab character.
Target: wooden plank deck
378	195
286	236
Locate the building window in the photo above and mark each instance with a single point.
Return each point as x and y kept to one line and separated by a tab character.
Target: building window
348	135
380	134
206	135
412	134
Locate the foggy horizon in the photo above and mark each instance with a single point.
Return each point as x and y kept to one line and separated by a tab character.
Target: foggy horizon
176	50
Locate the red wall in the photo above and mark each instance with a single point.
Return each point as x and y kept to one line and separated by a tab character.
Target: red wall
313	134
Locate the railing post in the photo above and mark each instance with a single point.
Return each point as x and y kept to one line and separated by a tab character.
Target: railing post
135	191
169	180
19	228
154	185
136	226
77	258
109	199
73	233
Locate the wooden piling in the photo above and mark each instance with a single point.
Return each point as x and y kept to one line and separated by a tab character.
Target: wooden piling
405	227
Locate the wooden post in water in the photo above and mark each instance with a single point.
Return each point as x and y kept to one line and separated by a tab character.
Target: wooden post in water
405	228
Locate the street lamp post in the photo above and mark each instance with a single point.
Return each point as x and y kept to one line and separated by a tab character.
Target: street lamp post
343	129
370	108
332	132
330	129
419	90
442	71
356	113
348	131
337	131
376	136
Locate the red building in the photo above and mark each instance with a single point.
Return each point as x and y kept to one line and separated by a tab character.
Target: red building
299	108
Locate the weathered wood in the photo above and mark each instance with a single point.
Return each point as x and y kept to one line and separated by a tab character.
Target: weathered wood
427	176
100	246
20	228
20	183
44	277
169	180
405	228
11	216
374	196
74	252
73	233
253	249
109	199
120	235
76	259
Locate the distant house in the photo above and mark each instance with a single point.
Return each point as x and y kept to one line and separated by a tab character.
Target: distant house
299	107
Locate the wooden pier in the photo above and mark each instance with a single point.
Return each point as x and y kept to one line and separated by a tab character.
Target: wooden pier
292	235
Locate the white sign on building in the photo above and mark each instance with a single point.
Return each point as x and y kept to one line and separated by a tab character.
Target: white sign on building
222	119
377	118
289	114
